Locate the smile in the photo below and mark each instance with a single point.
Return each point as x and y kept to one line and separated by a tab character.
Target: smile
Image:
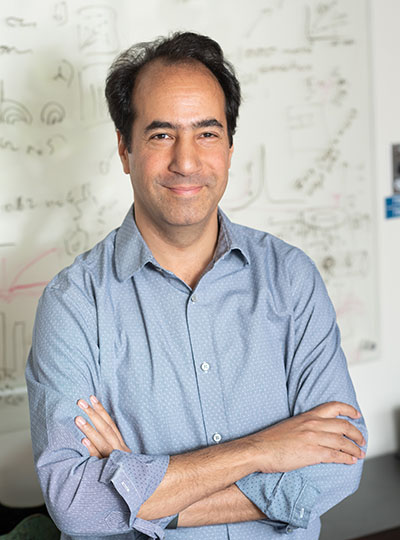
185	191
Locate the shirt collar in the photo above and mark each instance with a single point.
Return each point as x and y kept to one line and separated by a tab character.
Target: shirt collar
230	239
132	252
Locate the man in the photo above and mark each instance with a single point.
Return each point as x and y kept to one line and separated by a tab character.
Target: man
228	408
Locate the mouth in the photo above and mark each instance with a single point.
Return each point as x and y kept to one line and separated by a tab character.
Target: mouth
185	191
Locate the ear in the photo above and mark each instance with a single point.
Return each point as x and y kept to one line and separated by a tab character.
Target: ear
230	156
123	153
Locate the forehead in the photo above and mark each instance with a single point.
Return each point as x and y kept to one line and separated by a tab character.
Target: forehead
178	88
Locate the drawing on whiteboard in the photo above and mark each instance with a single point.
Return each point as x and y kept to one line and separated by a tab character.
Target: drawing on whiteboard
11	398
74	197
76	241
55	143
47	148
19	204
333	89
52	113
326	160
260	52
19	347
60	13
3	343
65	72
35	150
97	32
7	49
20	284
105	164
13	347
325	22
274	5
18	22
307	127
344	264
248	188
12	111
265	12
286	67
324	230
93	103
6	144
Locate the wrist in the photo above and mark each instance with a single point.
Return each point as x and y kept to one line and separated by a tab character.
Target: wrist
256	452
247	454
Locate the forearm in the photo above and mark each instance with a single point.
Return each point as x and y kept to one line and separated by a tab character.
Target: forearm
226	506
197	475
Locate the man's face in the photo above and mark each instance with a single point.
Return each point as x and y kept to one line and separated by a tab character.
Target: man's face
180	154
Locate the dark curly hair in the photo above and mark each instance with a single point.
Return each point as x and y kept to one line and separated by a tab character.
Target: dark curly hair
180	47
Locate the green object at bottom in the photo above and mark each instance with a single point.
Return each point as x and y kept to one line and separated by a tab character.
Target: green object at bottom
35	527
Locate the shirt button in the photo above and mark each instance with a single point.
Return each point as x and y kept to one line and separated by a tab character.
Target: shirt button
205	366
193	298
217	437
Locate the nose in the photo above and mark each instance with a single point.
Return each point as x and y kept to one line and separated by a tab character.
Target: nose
185	159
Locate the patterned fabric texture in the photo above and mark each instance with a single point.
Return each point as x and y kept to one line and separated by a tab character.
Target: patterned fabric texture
178	369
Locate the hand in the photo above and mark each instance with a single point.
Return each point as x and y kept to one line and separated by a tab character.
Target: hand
315	436
104	437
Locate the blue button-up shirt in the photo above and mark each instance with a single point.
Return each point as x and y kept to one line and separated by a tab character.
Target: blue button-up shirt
178	369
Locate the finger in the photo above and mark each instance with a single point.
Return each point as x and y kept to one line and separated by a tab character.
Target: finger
101	423
91	447
105	444
339	426
337	408
100	417
342	444
98	407
329	455
351	431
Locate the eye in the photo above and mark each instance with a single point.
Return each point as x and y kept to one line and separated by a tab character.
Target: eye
208	135
160	136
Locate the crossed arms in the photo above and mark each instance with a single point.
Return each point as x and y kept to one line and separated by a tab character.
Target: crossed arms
200	485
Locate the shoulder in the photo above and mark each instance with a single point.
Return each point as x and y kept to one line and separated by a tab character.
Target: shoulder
284	270
268	250
88	273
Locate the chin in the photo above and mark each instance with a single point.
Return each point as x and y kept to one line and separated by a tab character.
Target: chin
186	220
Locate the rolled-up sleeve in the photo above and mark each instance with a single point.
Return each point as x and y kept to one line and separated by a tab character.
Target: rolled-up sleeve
317	373
85	495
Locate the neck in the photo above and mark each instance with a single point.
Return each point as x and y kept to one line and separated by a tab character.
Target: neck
184	250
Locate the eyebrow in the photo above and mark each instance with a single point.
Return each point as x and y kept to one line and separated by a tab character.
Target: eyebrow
159	124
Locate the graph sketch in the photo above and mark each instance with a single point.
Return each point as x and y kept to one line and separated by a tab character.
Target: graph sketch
301	169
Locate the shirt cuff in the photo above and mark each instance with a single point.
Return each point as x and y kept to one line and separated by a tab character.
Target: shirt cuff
136	477
286	499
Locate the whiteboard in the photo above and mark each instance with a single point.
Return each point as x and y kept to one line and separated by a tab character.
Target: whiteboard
302	166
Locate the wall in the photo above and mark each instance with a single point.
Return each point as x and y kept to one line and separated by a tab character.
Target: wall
376	380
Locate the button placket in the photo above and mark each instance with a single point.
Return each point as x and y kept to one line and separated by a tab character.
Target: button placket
209	384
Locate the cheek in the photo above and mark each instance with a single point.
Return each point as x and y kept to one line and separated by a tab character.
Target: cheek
152	164
221	165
